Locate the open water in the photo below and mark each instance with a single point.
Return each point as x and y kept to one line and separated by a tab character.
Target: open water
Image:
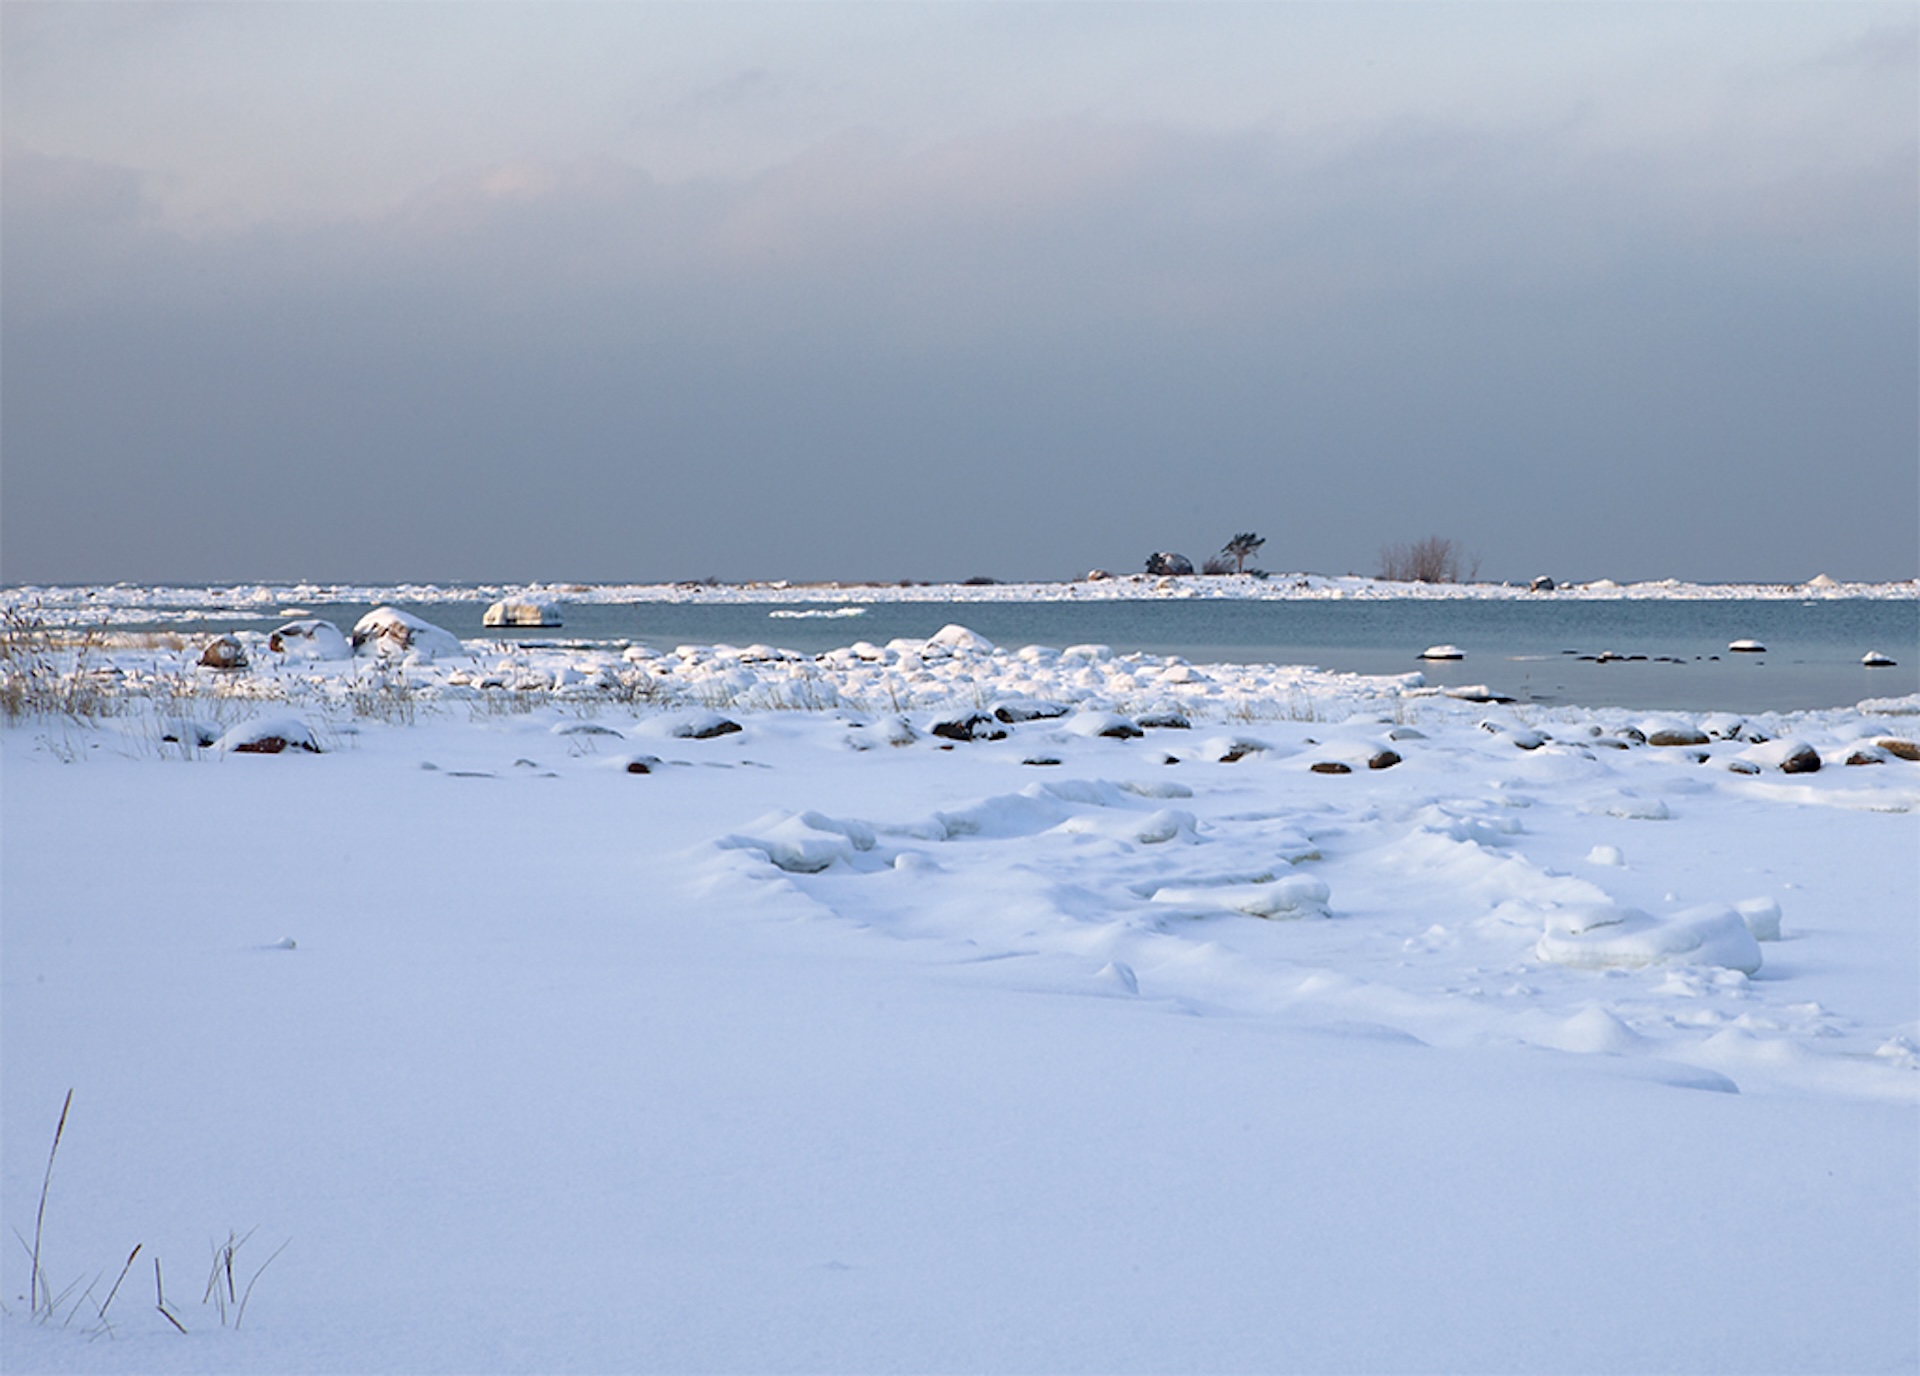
1670	654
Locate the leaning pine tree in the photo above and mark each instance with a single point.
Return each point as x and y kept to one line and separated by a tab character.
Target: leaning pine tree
1242	548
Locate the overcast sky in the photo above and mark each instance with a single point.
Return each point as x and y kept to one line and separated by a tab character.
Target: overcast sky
634	292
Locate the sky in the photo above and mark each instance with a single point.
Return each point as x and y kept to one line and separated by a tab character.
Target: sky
371	292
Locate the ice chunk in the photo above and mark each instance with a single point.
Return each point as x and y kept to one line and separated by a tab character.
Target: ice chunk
1762	916
1600	938
1290	896
521	611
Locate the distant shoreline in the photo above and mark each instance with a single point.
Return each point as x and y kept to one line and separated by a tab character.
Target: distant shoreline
1127	587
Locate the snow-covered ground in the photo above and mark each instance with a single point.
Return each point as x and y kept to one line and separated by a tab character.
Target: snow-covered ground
943	1006
120	603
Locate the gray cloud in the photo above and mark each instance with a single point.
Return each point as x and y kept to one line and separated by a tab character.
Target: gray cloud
1021	351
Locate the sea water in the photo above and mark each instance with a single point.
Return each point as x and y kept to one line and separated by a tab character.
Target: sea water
1626	653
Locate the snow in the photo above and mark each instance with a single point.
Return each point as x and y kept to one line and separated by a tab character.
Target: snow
828	1042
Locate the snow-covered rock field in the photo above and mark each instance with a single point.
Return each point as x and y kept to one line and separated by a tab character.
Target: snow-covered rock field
945	1006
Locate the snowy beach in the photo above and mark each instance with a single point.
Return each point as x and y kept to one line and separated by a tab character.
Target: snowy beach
940	1005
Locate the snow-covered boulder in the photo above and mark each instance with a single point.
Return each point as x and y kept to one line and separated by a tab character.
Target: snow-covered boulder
521	611
1231	749
1788	756
889	731
1113	726
960	640
969	726
1012	710
310	639
390	631
268	736
704	726
224	652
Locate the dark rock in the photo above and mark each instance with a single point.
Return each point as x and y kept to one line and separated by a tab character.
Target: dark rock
1168	565
1867	756
1330	767
1383	759
1027	709
1802	761
975	726
1542	584
706	729
1894	745
1164	721
1677	735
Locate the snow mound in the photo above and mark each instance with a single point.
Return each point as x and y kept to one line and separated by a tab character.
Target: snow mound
804	842
1608	937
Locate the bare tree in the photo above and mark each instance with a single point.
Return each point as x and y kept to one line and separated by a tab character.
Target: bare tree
1242	548
1432	560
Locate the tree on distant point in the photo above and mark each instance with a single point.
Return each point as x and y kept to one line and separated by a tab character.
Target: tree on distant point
1435	559
1242	548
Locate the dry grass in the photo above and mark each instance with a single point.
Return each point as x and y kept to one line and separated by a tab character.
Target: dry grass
223	1293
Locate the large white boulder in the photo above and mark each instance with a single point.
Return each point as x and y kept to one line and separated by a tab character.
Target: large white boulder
390	631
310	639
